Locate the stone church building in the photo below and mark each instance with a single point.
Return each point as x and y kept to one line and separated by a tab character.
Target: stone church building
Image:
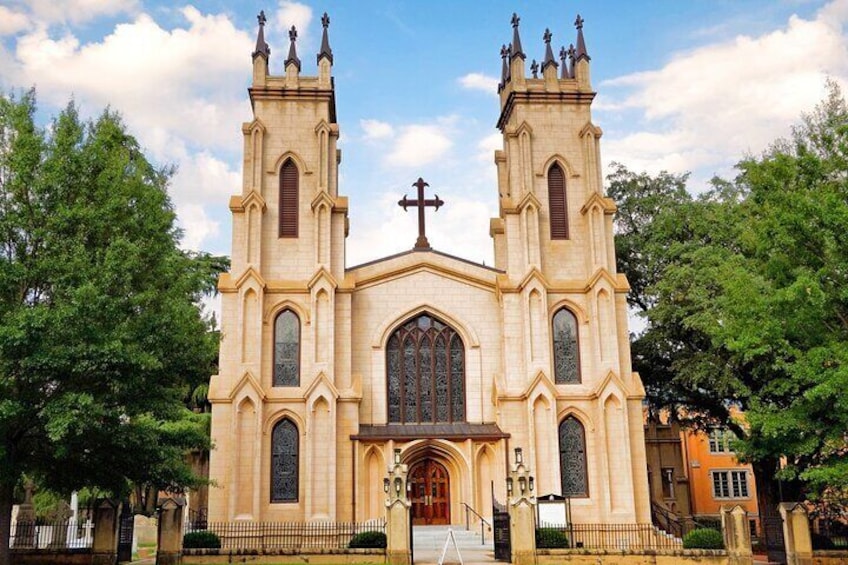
326	370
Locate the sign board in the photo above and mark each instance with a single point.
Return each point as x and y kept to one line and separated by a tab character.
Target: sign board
551	511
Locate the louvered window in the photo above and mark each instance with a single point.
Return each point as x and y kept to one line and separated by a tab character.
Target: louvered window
557	203
288	199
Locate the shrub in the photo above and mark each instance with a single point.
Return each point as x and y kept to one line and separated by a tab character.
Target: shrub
205	539
703	538
369	540
551	538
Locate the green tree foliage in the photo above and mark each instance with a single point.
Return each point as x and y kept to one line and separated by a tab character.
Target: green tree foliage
101	334
744	290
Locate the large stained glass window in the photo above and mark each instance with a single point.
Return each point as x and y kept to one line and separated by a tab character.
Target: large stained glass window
566	353
284	456
287	349
425	366
572	458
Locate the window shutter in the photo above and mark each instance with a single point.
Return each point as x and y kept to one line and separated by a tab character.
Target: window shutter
557	203
288	199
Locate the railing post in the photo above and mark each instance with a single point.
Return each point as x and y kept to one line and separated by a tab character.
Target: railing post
737	535
169	539
796	533
398	519
522	517
104	548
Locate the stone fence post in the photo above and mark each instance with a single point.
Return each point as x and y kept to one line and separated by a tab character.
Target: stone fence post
737	535
796	533
169	539
397	514
521	503
104	548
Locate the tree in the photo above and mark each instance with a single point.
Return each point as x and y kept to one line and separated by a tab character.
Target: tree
746	303
101	331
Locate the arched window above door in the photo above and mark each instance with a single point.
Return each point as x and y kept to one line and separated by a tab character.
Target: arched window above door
425	373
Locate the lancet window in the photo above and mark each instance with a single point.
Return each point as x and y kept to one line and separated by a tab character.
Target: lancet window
425	373
284	462
572	458
288	199
287	349
557	203
566	350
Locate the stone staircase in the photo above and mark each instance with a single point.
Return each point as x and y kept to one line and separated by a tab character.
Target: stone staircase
429	541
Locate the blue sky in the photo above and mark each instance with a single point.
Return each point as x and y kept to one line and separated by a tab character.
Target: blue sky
682	86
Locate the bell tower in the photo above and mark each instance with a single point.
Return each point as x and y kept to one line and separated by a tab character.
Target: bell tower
562	300
280	363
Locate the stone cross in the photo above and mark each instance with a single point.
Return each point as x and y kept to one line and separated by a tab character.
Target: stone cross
421	243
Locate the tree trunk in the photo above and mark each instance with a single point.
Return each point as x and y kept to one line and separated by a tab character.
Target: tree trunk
6	499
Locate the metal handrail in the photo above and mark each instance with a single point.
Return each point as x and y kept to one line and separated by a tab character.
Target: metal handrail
482	522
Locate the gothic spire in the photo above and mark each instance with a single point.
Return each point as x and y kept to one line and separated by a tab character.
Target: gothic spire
516	40
261	46
292	58
581	44
325	41
549	53
509	52
562	56
504	67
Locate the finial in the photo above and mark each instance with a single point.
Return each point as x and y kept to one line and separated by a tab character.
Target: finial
581	44
325	50
534	68
261	46
516	40
504	67
549	53
562	56
571	56
292	58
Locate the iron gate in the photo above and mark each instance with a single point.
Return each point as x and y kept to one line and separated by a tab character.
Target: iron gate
125	533
500	529
772	525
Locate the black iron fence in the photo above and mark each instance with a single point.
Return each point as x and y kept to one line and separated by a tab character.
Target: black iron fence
46	534
829	534
614	536
264	536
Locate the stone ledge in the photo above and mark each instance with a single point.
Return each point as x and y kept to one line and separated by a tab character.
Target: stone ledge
315	551
662	552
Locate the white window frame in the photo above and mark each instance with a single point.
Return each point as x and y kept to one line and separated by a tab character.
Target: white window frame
719	440
732	484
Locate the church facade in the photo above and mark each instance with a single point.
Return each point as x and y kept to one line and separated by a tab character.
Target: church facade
328	373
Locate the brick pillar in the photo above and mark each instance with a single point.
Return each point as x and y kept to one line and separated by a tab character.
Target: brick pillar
397	516
104	548
796	533
521	503
737	535
169	539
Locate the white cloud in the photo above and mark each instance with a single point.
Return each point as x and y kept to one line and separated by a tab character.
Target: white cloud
11	21
479	81
418	145
290	13
488	145
77	11
708	107
375	129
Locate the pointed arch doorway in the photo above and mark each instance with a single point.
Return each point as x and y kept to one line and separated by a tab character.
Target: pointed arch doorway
430	493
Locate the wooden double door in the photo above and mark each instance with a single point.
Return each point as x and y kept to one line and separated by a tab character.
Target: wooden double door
430	493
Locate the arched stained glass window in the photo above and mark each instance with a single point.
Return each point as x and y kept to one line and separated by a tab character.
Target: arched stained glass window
288	199
557	202
572	458
287	349
566	351
425	373
284	462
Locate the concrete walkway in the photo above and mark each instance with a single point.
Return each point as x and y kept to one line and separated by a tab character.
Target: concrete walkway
429	542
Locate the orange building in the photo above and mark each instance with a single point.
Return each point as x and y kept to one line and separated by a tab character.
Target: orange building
716	478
